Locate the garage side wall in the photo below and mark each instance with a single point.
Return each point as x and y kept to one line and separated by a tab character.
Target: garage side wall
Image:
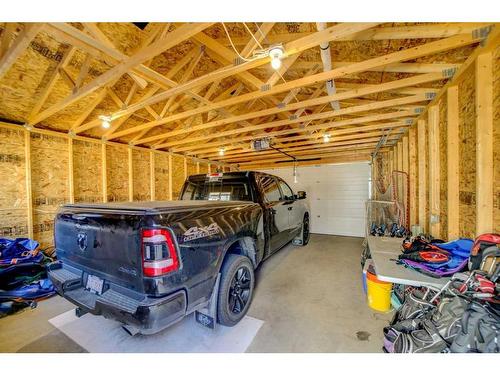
467	151
99	174
13	204
117	174
496	140
467	123
49	162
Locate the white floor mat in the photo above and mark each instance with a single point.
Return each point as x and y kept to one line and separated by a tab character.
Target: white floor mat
98	335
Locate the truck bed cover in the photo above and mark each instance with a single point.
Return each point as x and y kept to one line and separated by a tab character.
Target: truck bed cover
157	205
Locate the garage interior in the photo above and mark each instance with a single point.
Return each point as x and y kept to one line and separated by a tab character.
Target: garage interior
405	113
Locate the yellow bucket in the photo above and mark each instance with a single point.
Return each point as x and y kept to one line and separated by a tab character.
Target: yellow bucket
378	293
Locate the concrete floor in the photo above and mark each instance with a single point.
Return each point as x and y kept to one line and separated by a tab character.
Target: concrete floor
310	299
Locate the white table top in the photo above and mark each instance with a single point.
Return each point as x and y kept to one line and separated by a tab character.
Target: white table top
382	250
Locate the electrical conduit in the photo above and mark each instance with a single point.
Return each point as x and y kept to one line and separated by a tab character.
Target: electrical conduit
326	58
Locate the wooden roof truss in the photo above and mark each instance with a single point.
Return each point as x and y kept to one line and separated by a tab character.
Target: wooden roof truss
209	99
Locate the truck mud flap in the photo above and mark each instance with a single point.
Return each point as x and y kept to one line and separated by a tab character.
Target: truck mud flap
207	316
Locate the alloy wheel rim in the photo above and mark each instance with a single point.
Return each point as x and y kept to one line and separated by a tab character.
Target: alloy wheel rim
239	290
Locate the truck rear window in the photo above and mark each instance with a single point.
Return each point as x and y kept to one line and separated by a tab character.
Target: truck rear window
225	189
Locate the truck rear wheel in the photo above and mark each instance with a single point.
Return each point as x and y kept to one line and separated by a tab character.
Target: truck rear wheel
235	290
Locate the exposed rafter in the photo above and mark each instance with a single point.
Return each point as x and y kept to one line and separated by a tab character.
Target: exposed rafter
18	46
205	99
332	33
367	90
317	116
175	37
408	54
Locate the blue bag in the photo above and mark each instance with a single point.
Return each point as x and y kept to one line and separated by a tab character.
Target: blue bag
20	250
40	289
458	252
460	248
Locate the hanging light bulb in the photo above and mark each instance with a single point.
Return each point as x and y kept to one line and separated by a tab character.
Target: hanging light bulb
276	53
326	138
221	151
276	63
105	121
106	124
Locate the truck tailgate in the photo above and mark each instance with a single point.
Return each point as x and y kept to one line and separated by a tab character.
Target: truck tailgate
104	243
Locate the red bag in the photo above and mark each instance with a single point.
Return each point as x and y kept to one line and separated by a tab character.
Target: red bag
485	245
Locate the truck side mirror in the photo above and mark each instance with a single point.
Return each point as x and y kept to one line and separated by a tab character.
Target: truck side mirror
301	195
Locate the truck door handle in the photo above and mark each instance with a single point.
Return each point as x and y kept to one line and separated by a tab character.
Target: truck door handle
290	208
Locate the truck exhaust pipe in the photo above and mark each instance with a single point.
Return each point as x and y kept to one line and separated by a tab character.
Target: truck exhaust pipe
131	330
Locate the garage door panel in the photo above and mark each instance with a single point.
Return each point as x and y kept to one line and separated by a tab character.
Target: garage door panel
341	227
329	210
336	195
332	192
332	206
332	173
335	181
340	183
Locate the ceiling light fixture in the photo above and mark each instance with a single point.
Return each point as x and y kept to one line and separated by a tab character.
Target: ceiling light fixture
105	121
326	138
221	151
276	54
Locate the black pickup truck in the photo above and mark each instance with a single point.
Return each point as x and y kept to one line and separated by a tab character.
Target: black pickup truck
148	264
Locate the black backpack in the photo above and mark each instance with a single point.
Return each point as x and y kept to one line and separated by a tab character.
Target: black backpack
480	330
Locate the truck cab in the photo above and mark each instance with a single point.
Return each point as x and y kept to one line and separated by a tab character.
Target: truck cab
283	211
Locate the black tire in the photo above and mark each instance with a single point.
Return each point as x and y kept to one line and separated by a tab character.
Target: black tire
236	287
306	234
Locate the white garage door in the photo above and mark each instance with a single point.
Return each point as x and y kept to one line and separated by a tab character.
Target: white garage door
336	193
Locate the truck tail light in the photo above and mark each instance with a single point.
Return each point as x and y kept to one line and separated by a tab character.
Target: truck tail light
159	253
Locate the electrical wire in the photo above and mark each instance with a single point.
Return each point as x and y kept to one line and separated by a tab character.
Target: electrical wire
256	41
232	45
253	37
261	33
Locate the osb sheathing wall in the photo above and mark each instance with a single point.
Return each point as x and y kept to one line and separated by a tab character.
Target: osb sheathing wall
161	177
178	175
140	162
87	171
203	168
443	123
49	160
191	167
50	187
467	151
427	195
496	140
13	204
467	155
117	173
